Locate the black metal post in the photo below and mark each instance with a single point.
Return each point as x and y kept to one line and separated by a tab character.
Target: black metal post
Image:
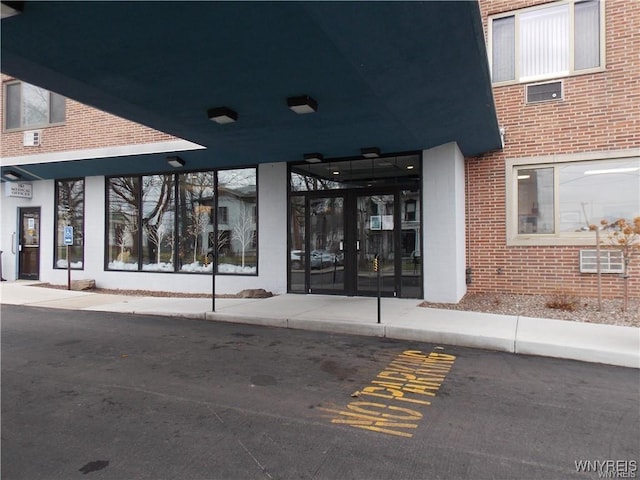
68	270
378	275
213	284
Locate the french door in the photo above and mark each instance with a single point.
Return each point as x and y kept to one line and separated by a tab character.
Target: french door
335	237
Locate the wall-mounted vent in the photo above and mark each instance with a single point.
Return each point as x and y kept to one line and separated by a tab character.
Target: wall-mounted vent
32	138
544	92
610	261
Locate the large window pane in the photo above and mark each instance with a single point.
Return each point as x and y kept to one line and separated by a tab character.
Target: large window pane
503	55
544	42
297	241
535	200
594	191
237	238
12	113
158	215
70	212
195	221
410	243
35	105
587	35
123	202
57	108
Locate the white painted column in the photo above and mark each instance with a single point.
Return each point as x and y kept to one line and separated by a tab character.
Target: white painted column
443	194
272	226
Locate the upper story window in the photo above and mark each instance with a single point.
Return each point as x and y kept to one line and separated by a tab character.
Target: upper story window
547	41
28	106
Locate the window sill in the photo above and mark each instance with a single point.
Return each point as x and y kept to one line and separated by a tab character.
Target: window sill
552	240
34	127
548	78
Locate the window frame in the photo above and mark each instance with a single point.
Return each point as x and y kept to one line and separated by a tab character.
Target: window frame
37	126
554	161
544	77
56	221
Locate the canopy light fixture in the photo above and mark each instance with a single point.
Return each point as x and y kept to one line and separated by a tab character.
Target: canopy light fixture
222	115
302	104
9	9
11	175
176	162
370	152
313	157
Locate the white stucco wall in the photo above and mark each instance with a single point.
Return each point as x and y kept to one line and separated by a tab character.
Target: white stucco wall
272	217
444	226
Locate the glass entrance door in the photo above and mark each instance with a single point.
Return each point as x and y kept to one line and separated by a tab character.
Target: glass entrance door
375	237
342	214
325	256
29	246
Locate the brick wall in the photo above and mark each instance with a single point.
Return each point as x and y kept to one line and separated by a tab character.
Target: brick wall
599	112
85	127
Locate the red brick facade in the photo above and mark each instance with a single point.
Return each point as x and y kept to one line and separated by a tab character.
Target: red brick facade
599	112
84	128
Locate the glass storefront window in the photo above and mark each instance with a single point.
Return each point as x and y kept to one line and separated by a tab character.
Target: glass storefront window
237	228
167	222
123	195
69	212
195	221
158	215
297	241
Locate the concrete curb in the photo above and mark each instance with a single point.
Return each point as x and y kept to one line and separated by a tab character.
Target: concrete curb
401	320
579	341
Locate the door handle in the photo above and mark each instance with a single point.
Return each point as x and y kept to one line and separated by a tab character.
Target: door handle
13	243
358	245
341	245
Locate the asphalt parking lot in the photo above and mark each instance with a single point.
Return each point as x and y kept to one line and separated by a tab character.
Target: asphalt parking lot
115	396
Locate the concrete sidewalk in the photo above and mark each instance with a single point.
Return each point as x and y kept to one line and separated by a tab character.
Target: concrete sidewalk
400	319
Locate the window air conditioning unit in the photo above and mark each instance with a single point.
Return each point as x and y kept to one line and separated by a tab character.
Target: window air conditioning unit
32	138
611	261
544	92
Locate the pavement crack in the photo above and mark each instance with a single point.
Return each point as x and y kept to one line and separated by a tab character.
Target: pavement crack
264	470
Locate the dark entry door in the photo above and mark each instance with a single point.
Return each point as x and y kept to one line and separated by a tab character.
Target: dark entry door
375	236
346	231
29	246
325	258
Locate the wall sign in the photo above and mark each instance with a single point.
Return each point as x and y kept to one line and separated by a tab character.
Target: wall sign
18	189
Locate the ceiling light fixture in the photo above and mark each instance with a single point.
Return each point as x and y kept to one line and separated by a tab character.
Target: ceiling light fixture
313	157
410	167
370	152
222	115
176	162
302	104
11	175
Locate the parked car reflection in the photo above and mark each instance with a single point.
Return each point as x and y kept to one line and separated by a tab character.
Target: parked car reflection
317	259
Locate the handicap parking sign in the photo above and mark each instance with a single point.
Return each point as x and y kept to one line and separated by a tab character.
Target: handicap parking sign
68	235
